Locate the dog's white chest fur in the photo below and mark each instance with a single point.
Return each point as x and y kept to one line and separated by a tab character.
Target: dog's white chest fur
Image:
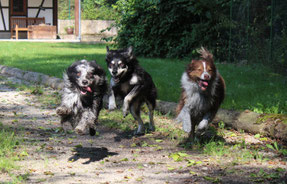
196	105
196	101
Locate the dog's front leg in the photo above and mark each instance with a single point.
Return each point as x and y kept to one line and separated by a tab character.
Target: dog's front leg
87	120
129	98
112	101
184	117
68	101
203	124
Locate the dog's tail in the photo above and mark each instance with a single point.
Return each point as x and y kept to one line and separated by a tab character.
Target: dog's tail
205	54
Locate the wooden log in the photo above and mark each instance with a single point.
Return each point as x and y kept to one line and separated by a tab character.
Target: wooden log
272	125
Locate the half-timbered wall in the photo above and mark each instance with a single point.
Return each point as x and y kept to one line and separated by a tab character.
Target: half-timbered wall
4	15
46	9
35	8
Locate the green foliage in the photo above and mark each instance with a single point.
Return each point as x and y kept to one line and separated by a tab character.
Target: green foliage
234	30
171	28
97	10
91	10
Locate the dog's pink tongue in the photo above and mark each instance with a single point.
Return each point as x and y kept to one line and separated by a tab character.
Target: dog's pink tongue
88	89
205	83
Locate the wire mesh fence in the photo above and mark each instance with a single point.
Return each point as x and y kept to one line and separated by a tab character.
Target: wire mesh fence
258	32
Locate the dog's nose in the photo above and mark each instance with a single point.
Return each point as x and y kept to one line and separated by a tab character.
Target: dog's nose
85	82
206	77
114	72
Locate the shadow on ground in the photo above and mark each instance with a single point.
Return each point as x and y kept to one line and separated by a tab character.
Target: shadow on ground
92	153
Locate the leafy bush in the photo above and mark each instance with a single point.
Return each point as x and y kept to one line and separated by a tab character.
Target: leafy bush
163	28
91	9
97	10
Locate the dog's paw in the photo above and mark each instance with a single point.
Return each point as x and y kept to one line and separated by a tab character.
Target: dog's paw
92	131
136	133
125	112
62	110
79	131
151	128
139	131
112	107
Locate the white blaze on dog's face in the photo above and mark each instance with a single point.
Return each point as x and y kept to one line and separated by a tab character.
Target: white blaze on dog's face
201	72
84	76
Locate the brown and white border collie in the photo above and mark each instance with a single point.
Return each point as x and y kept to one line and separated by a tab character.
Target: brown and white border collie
203	91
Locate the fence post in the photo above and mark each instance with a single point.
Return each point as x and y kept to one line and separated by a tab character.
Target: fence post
271	32
247	29
229	44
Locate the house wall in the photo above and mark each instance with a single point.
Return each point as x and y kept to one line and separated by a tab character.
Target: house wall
47	12
32	10
5	12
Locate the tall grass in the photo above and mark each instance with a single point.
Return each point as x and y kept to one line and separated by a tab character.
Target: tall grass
255	87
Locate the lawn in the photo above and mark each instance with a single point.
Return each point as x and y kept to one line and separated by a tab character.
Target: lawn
255	87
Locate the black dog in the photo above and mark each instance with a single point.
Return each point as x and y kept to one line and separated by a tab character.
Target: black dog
132	83
84	87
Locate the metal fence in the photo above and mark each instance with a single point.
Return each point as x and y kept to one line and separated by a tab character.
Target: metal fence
258	32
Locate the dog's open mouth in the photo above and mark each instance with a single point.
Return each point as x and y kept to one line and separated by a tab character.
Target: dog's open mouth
117	78
203	84
84	90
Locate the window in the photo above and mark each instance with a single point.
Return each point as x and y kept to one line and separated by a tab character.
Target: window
19	7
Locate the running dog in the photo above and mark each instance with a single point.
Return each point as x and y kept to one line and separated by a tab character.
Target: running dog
85	85
203	90
133	84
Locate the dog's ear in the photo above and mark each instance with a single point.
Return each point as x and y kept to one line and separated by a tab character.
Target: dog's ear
190	66
129	53
97	68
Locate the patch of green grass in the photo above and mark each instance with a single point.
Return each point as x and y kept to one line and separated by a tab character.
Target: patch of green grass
8	143
114	119
255	87
235	154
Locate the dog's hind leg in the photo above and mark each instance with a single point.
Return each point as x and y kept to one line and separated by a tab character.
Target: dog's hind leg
135	111
97	106
151	107
191	135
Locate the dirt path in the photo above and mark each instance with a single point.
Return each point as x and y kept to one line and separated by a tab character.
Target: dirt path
113	157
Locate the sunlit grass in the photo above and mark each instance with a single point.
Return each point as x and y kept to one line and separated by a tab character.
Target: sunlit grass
254	87
8	143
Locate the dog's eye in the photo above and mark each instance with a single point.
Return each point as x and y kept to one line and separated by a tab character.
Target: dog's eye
90	75
78	74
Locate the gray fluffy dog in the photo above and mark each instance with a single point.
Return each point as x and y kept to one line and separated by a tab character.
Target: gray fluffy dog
84	87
